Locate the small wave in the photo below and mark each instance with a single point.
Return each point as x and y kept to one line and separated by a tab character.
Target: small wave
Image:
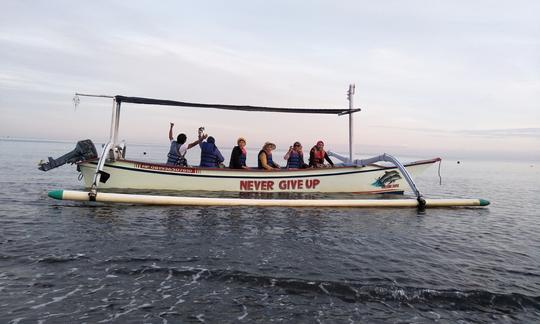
61	259
16	320
57	299
123	259
189	272
352	292
42	285
4	257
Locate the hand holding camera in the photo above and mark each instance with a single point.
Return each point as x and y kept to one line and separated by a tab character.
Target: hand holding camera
202	135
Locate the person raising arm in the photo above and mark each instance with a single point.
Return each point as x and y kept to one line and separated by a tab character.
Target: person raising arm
210	155
178	149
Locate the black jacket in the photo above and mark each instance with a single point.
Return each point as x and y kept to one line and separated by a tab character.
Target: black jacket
235	162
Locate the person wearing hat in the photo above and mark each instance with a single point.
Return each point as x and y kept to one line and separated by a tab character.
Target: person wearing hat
178	149
265	157
238	155
210	155
295	157
317	155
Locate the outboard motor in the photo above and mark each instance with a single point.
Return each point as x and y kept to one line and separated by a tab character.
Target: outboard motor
85	150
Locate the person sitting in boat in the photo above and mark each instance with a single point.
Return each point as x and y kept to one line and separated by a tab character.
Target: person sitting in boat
238	155
210	155
178	149
265	157
295	157
317	155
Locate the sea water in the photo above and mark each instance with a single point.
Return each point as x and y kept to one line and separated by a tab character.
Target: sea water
74	262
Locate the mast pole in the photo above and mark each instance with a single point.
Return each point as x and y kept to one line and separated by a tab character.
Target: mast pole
350	95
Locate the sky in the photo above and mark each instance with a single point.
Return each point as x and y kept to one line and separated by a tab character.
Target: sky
456	79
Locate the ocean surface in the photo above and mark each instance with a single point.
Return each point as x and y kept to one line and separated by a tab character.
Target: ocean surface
72	262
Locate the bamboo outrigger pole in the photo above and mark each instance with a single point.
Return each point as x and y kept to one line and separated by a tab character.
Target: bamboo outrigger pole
202	201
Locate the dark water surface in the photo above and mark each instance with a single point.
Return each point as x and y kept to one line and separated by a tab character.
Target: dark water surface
68	262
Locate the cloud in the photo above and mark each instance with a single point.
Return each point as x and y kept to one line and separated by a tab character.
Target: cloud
530	132
457	71
510	132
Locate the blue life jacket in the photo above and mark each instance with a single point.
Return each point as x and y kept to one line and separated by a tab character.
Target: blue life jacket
242	159
269	160
294	161
209	157
174	158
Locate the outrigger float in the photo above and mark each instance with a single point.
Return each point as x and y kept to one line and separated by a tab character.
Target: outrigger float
111	170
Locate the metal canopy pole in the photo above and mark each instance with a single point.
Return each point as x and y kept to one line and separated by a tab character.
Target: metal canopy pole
105	153
113	123
350	95
116	124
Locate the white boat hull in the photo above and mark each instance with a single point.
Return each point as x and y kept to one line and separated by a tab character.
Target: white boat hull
370	179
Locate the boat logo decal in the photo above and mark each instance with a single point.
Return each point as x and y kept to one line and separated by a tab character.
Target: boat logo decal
165	168
387	180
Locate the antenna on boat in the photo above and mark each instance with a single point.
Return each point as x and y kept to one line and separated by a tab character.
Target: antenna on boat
350	95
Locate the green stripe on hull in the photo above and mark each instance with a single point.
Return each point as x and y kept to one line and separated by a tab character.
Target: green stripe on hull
56	194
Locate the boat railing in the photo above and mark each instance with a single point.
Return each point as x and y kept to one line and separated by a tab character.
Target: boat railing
100	175
383	158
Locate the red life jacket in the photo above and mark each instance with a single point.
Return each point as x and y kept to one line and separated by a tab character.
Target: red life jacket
318	156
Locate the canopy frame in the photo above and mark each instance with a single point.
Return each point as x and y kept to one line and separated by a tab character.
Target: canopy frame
111	149
164	102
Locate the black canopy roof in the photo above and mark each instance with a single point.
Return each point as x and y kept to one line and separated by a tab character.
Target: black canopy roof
150	101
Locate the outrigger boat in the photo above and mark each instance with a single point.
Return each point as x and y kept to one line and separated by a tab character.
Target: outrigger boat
111	170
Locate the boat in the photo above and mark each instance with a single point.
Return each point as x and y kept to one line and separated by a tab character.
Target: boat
370	179
381	174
